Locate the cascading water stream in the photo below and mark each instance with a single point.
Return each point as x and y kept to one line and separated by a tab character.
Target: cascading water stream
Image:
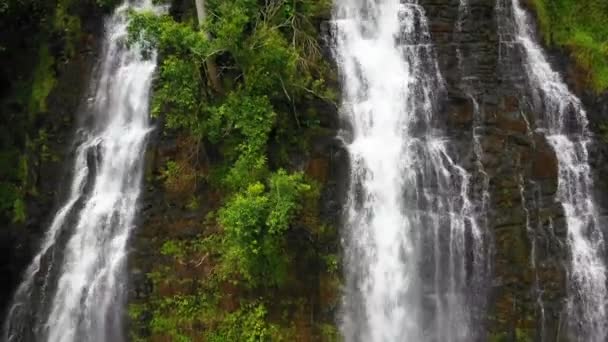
563	121
410	223
537	286
73	289
470	86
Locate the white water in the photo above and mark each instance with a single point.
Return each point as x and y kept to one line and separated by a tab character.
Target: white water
73	290
564	123
531	231
468	83
408	211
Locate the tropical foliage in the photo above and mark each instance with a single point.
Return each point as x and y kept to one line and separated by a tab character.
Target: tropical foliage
270	65
582	27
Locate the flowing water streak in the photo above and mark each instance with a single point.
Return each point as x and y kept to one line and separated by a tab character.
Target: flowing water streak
73	289
564	123
537	287
536	203
469	83
408	206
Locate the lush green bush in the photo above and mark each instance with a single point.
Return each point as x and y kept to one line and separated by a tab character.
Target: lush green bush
582	27
255	222
247	324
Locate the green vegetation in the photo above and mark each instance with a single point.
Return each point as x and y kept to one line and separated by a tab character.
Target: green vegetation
246	324
255	222
43	81
28	77
240	136
518	335
582	27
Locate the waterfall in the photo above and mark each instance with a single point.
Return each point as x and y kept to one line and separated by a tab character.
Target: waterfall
410	224
563	121
74	288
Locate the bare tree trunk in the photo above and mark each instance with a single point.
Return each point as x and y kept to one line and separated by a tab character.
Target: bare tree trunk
212	71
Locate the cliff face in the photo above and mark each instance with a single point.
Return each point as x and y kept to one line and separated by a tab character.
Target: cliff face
514	182
487	118
486	101
47	58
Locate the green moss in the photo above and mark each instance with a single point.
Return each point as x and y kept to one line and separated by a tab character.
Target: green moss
329	333
519	335
8	196
68	25
43	80
33	65
581	26
19	211
542	15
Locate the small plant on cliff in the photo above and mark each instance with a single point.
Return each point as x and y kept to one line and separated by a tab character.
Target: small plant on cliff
255	223
248	324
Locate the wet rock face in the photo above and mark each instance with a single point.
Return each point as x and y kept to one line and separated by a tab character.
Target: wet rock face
487	101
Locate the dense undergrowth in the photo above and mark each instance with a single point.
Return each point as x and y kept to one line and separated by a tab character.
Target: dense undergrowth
582	27
243	127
